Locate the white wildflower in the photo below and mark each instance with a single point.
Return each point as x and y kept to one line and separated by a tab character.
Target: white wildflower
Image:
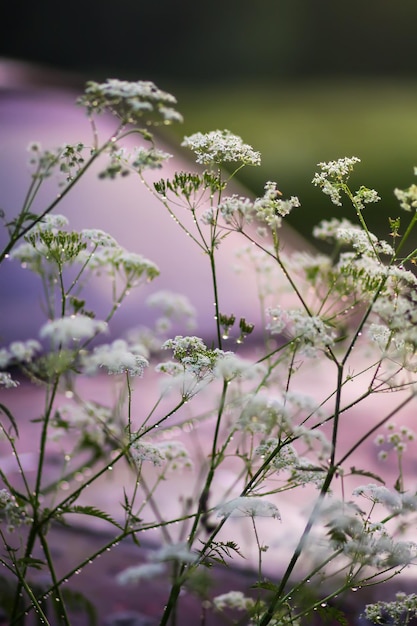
270	208
117	358
98	237
129	100
176	454
233	600
13	514
327	229
380	334
72	328
365	196
285	455
310	331
397	612
333	176
5	358
262	414
221	146
52	222
175	552
136	573
381	495
407	197
24	351
248	507
237	210
173	306
145	451
7	381
362	242
305	473
232	366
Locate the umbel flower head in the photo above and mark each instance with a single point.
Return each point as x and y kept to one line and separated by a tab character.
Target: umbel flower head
130	101
221	146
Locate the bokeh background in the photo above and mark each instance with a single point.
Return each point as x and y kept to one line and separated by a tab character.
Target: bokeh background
302	81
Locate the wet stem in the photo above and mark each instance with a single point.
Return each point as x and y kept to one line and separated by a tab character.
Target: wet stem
170	608
36	526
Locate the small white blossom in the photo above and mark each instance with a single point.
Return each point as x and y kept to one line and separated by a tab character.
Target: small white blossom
176	454
98	237
221	146
52	222
129	100
24	351
136	573
310	330
262	413
270	208
145	451
233	366
72	328
117	358
407	197
380	494
5	358
333	176
248	507
327	229
175	552
365	196
7	381
237	210
173	306
233	600
398	612
11	512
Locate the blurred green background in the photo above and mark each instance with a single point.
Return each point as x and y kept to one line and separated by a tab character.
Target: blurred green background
302	81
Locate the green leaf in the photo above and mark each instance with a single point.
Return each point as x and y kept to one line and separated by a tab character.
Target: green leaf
93	511
29	561
359	472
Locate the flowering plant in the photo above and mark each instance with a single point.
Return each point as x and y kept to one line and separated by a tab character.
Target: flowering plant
281	461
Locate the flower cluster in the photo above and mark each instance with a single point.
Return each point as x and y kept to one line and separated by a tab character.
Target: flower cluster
172	454
117	358
173	306
11	511
221	146
130	101
19	352
194	356
333	177
72	328
396	439
363	541
407	197
268	209
233	600
122	162
398	612
132	267
310	331
248	507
